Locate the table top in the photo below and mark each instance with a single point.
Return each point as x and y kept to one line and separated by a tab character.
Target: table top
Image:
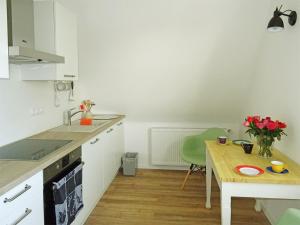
226	157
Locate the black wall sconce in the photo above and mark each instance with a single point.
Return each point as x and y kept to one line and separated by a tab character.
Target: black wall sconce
276	23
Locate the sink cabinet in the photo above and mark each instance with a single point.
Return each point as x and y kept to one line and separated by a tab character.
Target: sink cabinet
102	157
92	178
4	72
113	151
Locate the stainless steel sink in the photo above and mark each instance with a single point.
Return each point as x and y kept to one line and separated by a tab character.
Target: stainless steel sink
76	127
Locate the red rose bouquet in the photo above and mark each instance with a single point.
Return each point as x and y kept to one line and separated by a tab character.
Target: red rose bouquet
266	131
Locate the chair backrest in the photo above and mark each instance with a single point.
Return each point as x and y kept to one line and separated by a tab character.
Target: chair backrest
196	143
290	217
210	134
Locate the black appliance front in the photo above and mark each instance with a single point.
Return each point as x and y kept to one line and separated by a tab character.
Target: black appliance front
51	217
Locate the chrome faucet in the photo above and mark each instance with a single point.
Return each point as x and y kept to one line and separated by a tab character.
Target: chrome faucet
67	116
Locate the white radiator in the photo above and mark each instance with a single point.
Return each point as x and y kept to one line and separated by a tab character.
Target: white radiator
166	143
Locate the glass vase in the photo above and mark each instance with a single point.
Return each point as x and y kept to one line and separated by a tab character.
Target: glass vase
87	114
265	146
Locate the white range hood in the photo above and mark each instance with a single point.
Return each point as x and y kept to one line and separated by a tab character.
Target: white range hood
21	35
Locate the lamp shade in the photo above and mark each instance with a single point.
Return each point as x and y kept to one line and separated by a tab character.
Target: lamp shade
275	24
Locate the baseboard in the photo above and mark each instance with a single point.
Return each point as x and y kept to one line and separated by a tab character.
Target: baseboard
268	214
163	167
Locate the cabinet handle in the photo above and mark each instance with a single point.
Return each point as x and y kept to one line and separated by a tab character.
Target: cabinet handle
26	188
94	142
119	124
69	76
110	130
27	212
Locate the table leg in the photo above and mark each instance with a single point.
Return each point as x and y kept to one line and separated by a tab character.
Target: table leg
208	181
225	207
258	206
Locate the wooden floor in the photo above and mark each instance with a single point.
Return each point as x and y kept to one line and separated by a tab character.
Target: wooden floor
154	197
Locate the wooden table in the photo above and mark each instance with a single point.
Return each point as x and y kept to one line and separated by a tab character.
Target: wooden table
222	159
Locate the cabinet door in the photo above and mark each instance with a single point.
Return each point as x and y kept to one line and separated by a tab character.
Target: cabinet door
55	30
113	149
119	143
90	183
4	73
92	178
108	158
66	42
98	165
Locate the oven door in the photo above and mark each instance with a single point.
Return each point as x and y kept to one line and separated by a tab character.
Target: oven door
63	195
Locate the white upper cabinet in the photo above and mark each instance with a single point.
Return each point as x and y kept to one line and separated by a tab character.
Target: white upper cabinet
4	72
66	42
55	31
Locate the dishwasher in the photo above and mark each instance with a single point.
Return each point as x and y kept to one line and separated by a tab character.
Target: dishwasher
63	189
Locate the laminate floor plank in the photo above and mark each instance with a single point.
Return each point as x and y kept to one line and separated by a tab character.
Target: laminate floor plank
154	197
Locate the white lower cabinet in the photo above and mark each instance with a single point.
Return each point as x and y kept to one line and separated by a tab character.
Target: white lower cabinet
108	156
113	149
102	158
92	177
23	205
119	144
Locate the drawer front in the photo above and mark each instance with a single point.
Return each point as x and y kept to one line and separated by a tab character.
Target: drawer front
28	194
25	216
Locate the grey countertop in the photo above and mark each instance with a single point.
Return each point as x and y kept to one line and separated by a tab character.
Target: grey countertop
13	173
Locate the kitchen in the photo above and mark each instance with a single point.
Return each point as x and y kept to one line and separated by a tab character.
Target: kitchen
210	65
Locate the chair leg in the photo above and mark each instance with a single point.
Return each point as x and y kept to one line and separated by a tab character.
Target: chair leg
203	170
187	176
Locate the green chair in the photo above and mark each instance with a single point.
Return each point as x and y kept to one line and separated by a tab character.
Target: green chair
290	217
193	150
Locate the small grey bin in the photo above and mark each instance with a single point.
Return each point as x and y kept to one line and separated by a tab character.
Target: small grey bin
130	162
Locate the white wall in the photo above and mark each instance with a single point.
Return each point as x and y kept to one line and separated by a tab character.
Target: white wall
181	62
168	61
276	92
17	100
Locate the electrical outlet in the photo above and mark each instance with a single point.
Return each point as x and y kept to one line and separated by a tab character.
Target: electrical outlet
36	111
41	111
31	111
